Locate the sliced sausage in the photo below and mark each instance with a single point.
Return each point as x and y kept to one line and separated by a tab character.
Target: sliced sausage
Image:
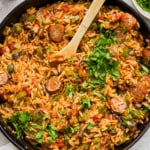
138	92
3	78
128	21
146	57
53	84
118	104
56	32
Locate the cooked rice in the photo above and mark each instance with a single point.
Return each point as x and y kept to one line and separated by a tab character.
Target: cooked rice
72	117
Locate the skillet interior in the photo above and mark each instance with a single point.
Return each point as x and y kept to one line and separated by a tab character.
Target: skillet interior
13	17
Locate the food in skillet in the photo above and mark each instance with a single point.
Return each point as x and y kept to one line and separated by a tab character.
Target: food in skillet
94	100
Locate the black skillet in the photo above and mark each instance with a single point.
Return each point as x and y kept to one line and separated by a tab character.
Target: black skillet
13	17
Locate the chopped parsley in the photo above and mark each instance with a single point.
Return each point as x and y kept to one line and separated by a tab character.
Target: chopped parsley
101	62
20	121
39	136
86	103
98	95
43	21
69	92
144	68
72	130
52	132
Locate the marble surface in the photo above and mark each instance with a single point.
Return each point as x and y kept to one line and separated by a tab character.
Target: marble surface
5	7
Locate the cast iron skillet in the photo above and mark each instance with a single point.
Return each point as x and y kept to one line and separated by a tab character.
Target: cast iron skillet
13	17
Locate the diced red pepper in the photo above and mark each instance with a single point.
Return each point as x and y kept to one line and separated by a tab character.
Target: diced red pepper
11	47
28	91
82	71
80	46
14	83
34	81
61	143
65	7
96	118
101	17
48	15
123	17
2	50
1	91
127	68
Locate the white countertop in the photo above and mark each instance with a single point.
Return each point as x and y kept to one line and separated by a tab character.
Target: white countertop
5	7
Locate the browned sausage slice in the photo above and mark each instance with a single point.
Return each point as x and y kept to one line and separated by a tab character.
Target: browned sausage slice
146	57
118	104
53	84
138	92
128	21
3	78
56	32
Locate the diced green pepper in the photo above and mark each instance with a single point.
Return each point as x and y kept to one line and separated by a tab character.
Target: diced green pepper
31	18
70	33
17	28
39	52
10	68
6	31
21	95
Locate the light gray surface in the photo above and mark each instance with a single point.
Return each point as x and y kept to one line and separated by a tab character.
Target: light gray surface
5	7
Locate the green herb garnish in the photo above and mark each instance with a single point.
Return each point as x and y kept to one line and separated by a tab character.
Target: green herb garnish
69	92
86	103
101	62
144	68
20	121
39	136
144	4
52	132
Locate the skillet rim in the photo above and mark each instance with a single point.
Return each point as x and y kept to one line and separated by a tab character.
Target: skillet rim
12	18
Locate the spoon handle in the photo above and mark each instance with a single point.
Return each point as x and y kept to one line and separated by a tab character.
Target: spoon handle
71	48
86	22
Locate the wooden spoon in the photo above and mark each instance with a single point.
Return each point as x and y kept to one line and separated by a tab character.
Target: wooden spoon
71	48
